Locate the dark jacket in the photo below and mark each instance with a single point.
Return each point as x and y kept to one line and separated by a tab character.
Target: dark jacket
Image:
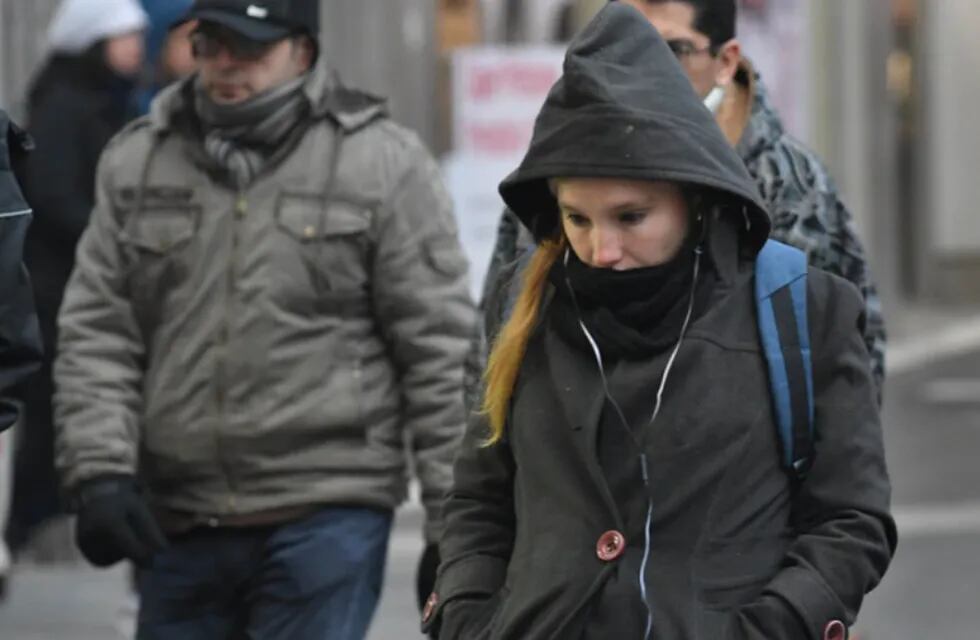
20	342
738	549
76	105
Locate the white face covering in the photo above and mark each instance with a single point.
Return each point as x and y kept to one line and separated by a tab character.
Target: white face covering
714	98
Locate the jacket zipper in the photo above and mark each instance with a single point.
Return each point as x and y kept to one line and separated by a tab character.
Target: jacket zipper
221	392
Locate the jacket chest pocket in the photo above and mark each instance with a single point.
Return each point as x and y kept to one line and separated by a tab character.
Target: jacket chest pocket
157	241
323	249
160	231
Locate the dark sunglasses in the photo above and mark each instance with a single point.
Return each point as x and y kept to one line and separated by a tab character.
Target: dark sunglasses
208	41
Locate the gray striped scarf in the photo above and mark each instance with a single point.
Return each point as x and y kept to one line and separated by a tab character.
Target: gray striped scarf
244	138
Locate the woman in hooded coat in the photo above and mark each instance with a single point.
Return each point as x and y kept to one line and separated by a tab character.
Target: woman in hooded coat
624	479
79	99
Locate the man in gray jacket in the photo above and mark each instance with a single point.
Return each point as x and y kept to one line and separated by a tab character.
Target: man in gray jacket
268	304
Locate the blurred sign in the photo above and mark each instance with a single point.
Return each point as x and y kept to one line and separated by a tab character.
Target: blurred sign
497	93
472	183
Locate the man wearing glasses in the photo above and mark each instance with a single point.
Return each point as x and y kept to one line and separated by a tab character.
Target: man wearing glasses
269	303
800	194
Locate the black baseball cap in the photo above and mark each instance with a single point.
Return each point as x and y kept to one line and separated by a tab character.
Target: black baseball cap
260	20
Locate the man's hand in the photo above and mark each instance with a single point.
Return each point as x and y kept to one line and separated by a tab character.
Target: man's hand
115	524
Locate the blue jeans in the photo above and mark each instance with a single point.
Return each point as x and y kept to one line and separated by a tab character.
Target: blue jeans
316	579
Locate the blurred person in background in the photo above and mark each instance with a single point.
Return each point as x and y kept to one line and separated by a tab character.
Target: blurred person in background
168	48
20	338
269	304
796	188
77	102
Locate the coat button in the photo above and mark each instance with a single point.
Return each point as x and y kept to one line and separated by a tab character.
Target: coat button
835	630
610	546
430	606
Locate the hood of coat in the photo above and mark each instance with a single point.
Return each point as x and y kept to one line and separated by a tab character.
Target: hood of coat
351	109
163	15
624	108
79	24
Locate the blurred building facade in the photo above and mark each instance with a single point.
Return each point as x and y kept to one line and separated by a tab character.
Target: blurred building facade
886	93
22	27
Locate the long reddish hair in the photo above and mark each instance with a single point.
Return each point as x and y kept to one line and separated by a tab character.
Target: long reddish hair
508	349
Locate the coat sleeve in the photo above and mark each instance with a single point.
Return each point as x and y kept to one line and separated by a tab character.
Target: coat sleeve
98	370
845	535
848	259
479	513
20	338
480	525
423	306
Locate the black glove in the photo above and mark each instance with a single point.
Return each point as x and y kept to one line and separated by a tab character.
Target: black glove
425	579
115	524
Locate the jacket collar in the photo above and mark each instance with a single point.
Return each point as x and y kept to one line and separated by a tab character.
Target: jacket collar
764	127
349	108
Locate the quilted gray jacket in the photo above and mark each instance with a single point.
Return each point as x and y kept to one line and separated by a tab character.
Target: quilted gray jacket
272	347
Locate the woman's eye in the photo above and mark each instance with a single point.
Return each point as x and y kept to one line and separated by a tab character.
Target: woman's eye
631	218
577	220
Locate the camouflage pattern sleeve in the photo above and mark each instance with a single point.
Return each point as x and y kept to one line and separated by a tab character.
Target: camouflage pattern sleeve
505	251
807	213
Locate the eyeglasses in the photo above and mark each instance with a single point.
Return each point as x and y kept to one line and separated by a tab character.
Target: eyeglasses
684	49
208	42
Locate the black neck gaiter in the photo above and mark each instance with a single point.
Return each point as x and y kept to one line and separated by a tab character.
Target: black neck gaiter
631	314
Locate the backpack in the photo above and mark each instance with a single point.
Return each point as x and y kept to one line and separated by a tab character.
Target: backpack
781	310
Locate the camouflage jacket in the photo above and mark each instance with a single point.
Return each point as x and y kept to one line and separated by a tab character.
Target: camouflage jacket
806	212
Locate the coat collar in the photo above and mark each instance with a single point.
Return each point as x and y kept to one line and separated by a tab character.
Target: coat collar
349	108
764	127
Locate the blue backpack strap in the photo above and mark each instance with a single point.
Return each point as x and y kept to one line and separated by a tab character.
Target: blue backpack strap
780	287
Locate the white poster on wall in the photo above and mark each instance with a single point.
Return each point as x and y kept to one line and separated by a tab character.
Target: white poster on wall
497	93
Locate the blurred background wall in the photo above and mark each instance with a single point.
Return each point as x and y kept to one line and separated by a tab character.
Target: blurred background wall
22	27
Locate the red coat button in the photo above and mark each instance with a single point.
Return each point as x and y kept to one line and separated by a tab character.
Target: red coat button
610	546
430	606
835	630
